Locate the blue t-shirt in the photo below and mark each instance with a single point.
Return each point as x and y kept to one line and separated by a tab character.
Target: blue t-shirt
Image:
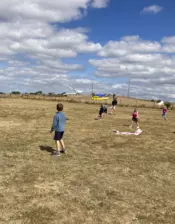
59	122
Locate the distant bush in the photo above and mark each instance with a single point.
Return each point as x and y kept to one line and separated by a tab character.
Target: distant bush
152	100
1	93
167	104
15	92
158	101
51	94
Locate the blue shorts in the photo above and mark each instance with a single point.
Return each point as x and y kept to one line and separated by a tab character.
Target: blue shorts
58	135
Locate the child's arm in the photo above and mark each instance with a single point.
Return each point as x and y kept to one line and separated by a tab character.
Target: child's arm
53	124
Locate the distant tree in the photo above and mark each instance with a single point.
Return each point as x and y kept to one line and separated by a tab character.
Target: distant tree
62	94
39	93
51	94
15	92
1	93
167	104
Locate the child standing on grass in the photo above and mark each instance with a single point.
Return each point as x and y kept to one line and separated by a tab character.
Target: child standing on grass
59	122
114	104
135	118
164	110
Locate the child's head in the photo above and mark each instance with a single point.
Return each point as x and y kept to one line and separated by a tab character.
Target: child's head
59	106
135	110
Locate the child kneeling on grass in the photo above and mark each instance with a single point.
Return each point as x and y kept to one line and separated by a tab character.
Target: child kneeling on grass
59	122
103	110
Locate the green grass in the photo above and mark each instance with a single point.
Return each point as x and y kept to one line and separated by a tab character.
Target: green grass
104	178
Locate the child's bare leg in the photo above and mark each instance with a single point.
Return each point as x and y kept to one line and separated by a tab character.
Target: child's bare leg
131	125
62	144
58	146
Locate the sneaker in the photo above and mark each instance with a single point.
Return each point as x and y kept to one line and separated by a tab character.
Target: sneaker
56	153
63	151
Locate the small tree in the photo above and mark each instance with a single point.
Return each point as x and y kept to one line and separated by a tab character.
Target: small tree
167	104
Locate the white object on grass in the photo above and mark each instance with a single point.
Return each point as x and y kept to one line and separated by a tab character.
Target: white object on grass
138	132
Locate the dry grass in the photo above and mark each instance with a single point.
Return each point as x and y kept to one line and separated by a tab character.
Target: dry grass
104	178
122	101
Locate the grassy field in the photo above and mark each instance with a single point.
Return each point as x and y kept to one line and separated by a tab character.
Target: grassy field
104	178
122	101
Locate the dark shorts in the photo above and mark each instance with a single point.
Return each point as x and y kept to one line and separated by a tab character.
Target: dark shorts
58	135
135	119
114	104
102	110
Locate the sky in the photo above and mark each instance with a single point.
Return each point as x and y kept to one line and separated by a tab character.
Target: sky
55	45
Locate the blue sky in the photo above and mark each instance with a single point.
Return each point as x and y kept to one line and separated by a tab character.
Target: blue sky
105	42
124	18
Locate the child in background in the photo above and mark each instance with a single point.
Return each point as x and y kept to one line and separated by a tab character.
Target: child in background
114	104
103	110
59	122
135	118
164	110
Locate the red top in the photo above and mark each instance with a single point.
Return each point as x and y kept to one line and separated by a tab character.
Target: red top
135	115
164	110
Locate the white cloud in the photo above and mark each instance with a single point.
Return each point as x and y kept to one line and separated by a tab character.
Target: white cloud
129	45
60	65
153	9
85	81
16	63
147	63
42	48
136	65
168	44
169	40
100	3
50	11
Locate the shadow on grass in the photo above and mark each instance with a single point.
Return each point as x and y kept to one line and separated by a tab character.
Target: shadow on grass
47	149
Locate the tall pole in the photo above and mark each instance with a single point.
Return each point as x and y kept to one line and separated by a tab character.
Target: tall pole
129	84
92	88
